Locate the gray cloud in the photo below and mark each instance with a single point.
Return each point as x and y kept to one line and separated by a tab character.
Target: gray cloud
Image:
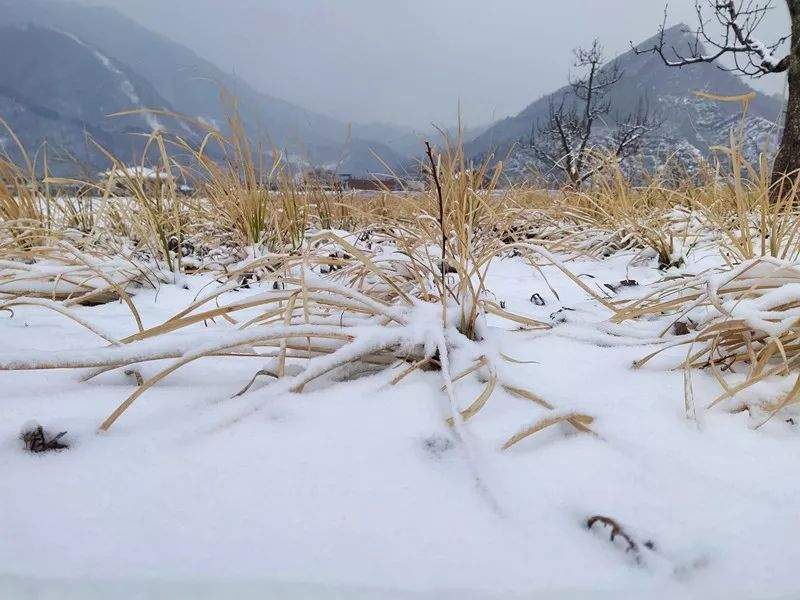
412	61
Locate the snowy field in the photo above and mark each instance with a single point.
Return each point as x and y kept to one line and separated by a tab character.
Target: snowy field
356	488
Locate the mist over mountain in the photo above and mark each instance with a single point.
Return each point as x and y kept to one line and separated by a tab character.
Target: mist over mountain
75	65
162	74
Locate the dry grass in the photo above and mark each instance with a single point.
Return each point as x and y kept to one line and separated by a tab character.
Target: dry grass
390	296
393	281
744	318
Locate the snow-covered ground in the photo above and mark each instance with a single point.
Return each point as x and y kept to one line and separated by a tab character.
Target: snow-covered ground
358	490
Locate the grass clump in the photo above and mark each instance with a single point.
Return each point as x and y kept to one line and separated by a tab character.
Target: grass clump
394	281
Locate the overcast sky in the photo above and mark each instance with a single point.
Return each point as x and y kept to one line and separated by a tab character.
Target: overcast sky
409	61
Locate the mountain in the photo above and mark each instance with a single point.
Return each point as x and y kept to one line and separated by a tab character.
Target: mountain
162	73
691	125
410	142
62	90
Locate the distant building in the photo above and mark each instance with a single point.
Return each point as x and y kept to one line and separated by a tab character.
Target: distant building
330	180
150	179
373	184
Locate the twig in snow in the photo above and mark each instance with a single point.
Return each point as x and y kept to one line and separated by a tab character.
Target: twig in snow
617	530
36	440
435	175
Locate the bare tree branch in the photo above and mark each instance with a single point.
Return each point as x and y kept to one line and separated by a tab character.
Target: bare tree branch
566	139
735	38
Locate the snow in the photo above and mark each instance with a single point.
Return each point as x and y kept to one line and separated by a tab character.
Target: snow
124	83
768	59
356	488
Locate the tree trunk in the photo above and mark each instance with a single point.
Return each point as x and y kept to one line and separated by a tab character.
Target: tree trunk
787	162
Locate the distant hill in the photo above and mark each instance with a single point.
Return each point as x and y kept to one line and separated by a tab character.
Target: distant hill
162	73
691	125
61	90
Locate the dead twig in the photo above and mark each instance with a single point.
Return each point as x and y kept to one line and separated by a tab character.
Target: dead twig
617	530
